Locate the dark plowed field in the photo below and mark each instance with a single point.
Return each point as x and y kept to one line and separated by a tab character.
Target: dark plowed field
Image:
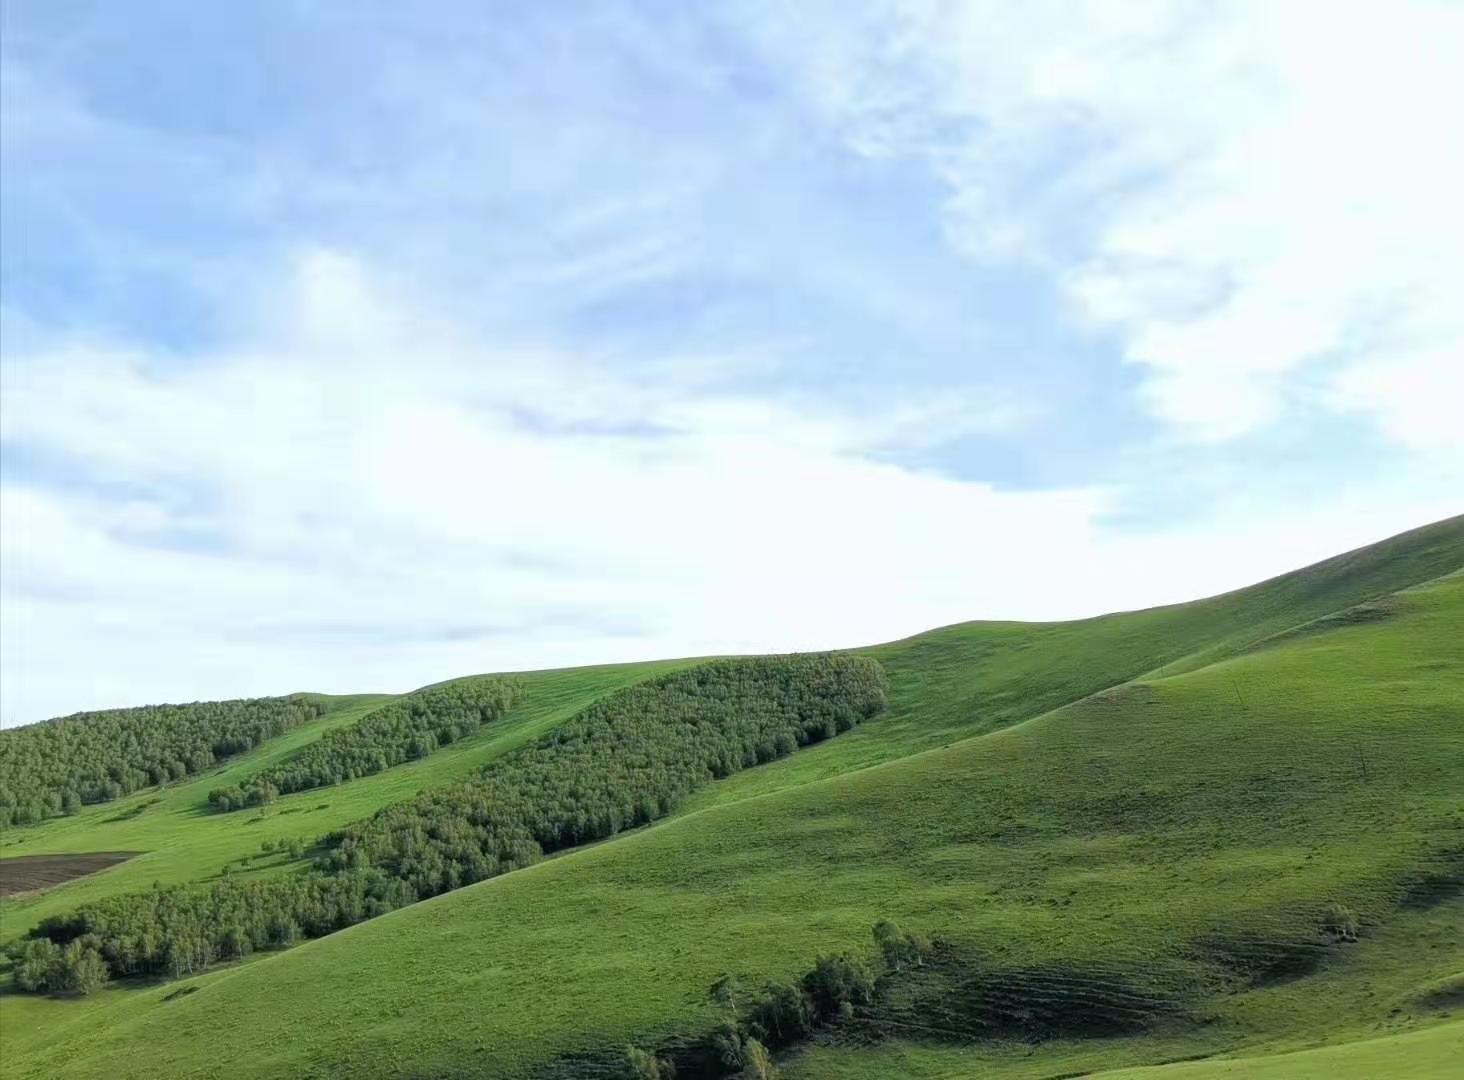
32	873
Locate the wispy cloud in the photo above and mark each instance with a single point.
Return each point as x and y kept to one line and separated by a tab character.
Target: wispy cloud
1257	198
304	511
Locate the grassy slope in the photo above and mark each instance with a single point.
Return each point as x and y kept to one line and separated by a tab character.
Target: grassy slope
182	840
1102	839
1363	993
976	677
1431	1054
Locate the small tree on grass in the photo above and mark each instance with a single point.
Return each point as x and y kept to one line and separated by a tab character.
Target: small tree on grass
644	1065
757	1063
726	1045
1339	923
781	1015
836	985
900	948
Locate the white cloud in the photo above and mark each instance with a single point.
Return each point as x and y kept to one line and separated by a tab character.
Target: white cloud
370	499
1259	199
344	510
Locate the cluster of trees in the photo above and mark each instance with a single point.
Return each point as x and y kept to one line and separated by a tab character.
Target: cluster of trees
624	761
57	766
180	930
402	731
828	995
42	966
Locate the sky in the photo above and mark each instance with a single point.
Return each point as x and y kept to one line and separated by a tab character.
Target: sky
355	346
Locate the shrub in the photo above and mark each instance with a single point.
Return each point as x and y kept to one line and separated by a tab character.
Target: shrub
781	1015
900	948
757	1063
1339	923
643	1065
836	985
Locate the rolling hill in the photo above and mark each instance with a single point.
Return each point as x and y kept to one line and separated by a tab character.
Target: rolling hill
1223	838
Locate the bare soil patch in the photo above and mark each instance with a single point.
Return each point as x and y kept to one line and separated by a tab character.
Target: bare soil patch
35	873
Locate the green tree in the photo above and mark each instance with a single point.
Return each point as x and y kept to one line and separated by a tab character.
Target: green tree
836	985
900	948
82	969
757	1063
644	1065
38	965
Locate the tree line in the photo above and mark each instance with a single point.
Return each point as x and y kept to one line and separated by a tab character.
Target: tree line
57	766
401	731
178	931
625	760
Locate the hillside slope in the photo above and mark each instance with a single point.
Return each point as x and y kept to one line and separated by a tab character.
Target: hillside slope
975	677
181	840
1181	836
1431	1054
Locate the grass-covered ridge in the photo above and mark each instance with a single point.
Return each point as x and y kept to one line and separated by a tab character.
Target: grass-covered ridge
971	678
623	762
403	730
1077	804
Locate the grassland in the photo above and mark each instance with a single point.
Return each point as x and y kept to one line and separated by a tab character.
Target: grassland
1166	801
1432	1054
181	839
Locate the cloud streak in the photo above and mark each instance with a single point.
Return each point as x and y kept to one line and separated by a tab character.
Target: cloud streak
357	502
1253	197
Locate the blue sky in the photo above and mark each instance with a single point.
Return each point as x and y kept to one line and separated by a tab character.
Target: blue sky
353	346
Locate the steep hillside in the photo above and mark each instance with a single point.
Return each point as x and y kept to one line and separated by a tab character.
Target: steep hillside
1177	808
180	839
976	677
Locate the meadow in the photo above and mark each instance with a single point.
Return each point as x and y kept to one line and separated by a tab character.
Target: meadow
1177	808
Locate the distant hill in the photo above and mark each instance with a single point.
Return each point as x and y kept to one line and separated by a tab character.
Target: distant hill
1223	829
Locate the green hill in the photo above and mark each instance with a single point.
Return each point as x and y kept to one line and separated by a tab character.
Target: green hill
1139	839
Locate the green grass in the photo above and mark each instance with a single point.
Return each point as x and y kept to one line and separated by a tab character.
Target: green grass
182	839
977	677
1374	989
1083	801
1432	1054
